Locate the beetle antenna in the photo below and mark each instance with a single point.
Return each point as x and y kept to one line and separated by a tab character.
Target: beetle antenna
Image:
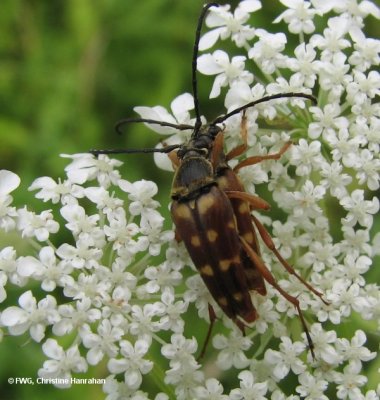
198	122
166	149
180	127
263	100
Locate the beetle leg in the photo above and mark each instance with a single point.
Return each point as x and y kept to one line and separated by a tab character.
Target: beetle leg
239	150
258	159
269	243
174	159
217	150
267	275
212	316
256	202
177	236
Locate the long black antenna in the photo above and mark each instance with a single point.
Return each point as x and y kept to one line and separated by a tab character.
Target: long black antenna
180	127
198	122
166	149
263	100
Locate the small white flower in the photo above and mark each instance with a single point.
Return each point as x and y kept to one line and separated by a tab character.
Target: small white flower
354	350
328	123
343	147
366	51
249	389
8	265
83	226
180	108
286	359
349	382
213	390
368	170
227	71
354	267
45	269
267	51
133	364
355	241
231	25
239	94
85	286
34	225
103	343
77	220
359	210
103	200
86	167
3	281
321	256
299	16
180	348
141	195
305	202
304	63
62	363
124	236
333	40
83	255
334	178
294	85
323	346
312	388
64	192
75	316
30	316
173	311
9	181
145	319
306	156
161	277
151	227
232	350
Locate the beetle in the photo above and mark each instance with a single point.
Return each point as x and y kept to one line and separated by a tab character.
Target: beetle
211	210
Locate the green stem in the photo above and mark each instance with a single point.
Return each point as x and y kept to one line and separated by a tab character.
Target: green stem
158	377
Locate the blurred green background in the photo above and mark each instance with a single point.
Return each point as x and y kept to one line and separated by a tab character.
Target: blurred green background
69	69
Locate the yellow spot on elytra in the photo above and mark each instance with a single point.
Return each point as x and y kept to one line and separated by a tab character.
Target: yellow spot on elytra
222	301
231	224
238	296
248	237
182	211
205	203
224	264
195	241
207	270
243	208
212	235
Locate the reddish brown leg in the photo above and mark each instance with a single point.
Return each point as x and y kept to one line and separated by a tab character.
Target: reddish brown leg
217	149
239	150
269	243
267	275
258	159
212	317
256	202
174	159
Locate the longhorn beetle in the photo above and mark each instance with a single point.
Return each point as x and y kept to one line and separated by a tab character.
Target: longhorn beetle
212	211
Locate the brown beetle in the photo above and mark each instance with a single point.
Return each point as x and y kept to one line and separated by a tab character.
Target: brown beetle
212	211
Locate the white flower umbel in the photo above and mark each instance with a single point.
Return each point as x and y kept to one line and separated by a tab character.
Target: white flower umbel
121	293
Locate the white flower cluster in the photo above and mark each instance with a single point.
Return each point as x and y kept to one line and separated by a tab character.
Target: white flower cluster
122	307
